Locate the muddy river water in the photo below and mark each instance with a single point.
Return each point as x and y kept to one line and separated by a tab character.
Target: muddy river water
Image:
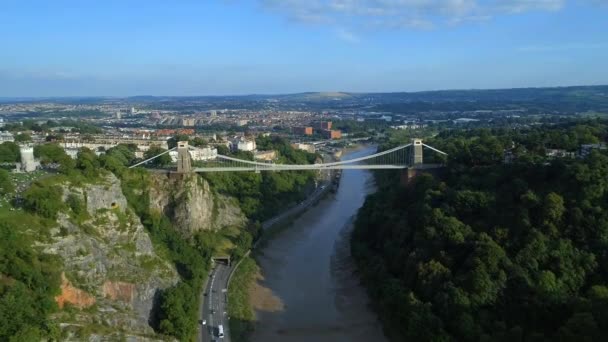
308	289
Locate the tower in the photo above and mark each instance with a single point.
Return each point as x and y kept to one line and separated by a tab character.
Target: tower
416	152
27	158
184	161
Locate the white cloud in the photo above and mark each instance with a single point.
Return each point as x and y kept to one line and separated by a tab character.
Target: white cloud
561	47
347	35
404	14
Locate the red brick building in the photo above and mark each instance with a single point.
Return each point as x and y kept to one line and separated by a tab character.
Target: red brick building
302	130
332	134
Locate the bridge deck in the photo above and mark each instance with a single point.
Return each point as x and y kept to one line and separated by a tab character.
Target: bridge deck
298	168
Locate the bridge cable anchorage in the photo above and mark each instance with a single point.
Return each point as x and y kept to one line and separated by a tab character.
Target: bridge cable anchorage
434	149
156	156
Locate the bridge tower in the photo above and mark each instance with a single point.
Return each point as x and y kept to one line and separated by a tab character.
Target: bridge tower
416	153
184	161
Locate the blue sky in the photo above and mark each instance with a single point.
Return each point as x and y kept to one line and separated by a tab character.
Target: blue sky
214	47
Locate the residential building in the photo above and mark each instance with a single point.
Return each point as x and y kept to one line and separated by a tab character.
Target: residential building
188	122
198	154
299	130
323	125
331	134
6	136
585	149
558	153
246	145
304	147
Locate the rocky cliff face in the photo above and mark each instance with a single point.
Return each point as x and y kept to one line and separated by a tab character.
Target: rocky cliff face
111	266
191	205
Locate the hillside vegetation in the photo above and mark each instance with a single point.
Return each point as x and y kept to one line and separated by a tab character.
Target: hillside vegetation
493	251
68	231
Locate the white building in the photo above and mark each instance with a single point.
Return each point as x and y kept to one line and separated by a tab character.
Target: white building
198	154
28	164
6	136
246	145
304	147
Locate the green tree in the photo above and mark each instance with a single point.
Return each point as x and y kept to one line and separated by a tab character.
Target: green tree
172	142
88	163
6	183
43	200
160	161
9	152
23	137
49	153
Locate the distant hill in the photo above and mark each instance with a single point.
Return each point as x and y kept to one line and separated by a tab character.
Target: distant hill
573	99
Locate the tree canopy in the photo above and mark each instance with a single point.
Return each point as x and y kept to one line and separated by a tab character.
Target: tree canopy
493	250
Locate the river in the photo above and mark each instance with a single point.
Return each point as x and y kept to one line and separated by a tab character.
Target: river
308	289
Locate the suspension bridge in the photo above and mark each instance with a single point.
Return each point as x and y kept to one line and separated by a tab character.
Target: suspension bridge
408	156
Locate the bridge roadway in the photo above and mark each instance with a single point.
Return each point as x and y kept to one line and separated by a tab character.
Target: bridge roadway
214	303
287	167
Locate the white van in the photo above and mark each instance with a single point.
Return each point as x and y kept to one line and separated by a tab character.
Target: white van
220	331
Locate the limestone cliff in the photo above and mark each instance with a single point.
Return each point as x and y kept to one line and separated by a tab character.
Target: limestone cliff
191	205
111	266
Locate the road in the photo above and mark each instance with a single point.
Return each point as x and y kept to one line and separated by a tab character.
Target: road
214	303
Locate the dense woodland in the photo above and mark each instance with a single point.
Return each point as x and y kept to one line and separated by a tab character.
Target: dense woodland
492	250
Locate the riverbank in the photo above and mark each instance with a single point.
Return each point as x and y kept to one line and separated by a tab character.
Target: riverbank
241	313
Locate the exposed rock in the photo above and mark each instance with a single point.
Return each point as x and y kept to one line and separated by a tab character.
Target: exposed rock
188	200
109	256
74	296
105	195
118	290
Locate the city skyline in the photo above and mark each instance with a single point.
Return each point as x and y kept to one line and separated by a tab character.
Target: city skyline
277	47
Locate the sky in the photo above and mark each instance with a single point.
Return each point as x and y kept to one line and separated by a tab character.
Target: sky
231	47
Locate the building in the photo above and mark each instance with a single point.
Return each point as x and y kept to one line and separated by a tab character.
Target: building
300	130
304	147
242	122
464	120
188	122
118	115
28	164
6	136
265	155
1	122
323	125
586	149
331	134
205	153
558	153
246	145
197	154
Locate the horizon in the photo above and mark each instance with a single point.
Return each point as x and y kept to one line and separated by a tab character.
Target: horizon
243	47
299	93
